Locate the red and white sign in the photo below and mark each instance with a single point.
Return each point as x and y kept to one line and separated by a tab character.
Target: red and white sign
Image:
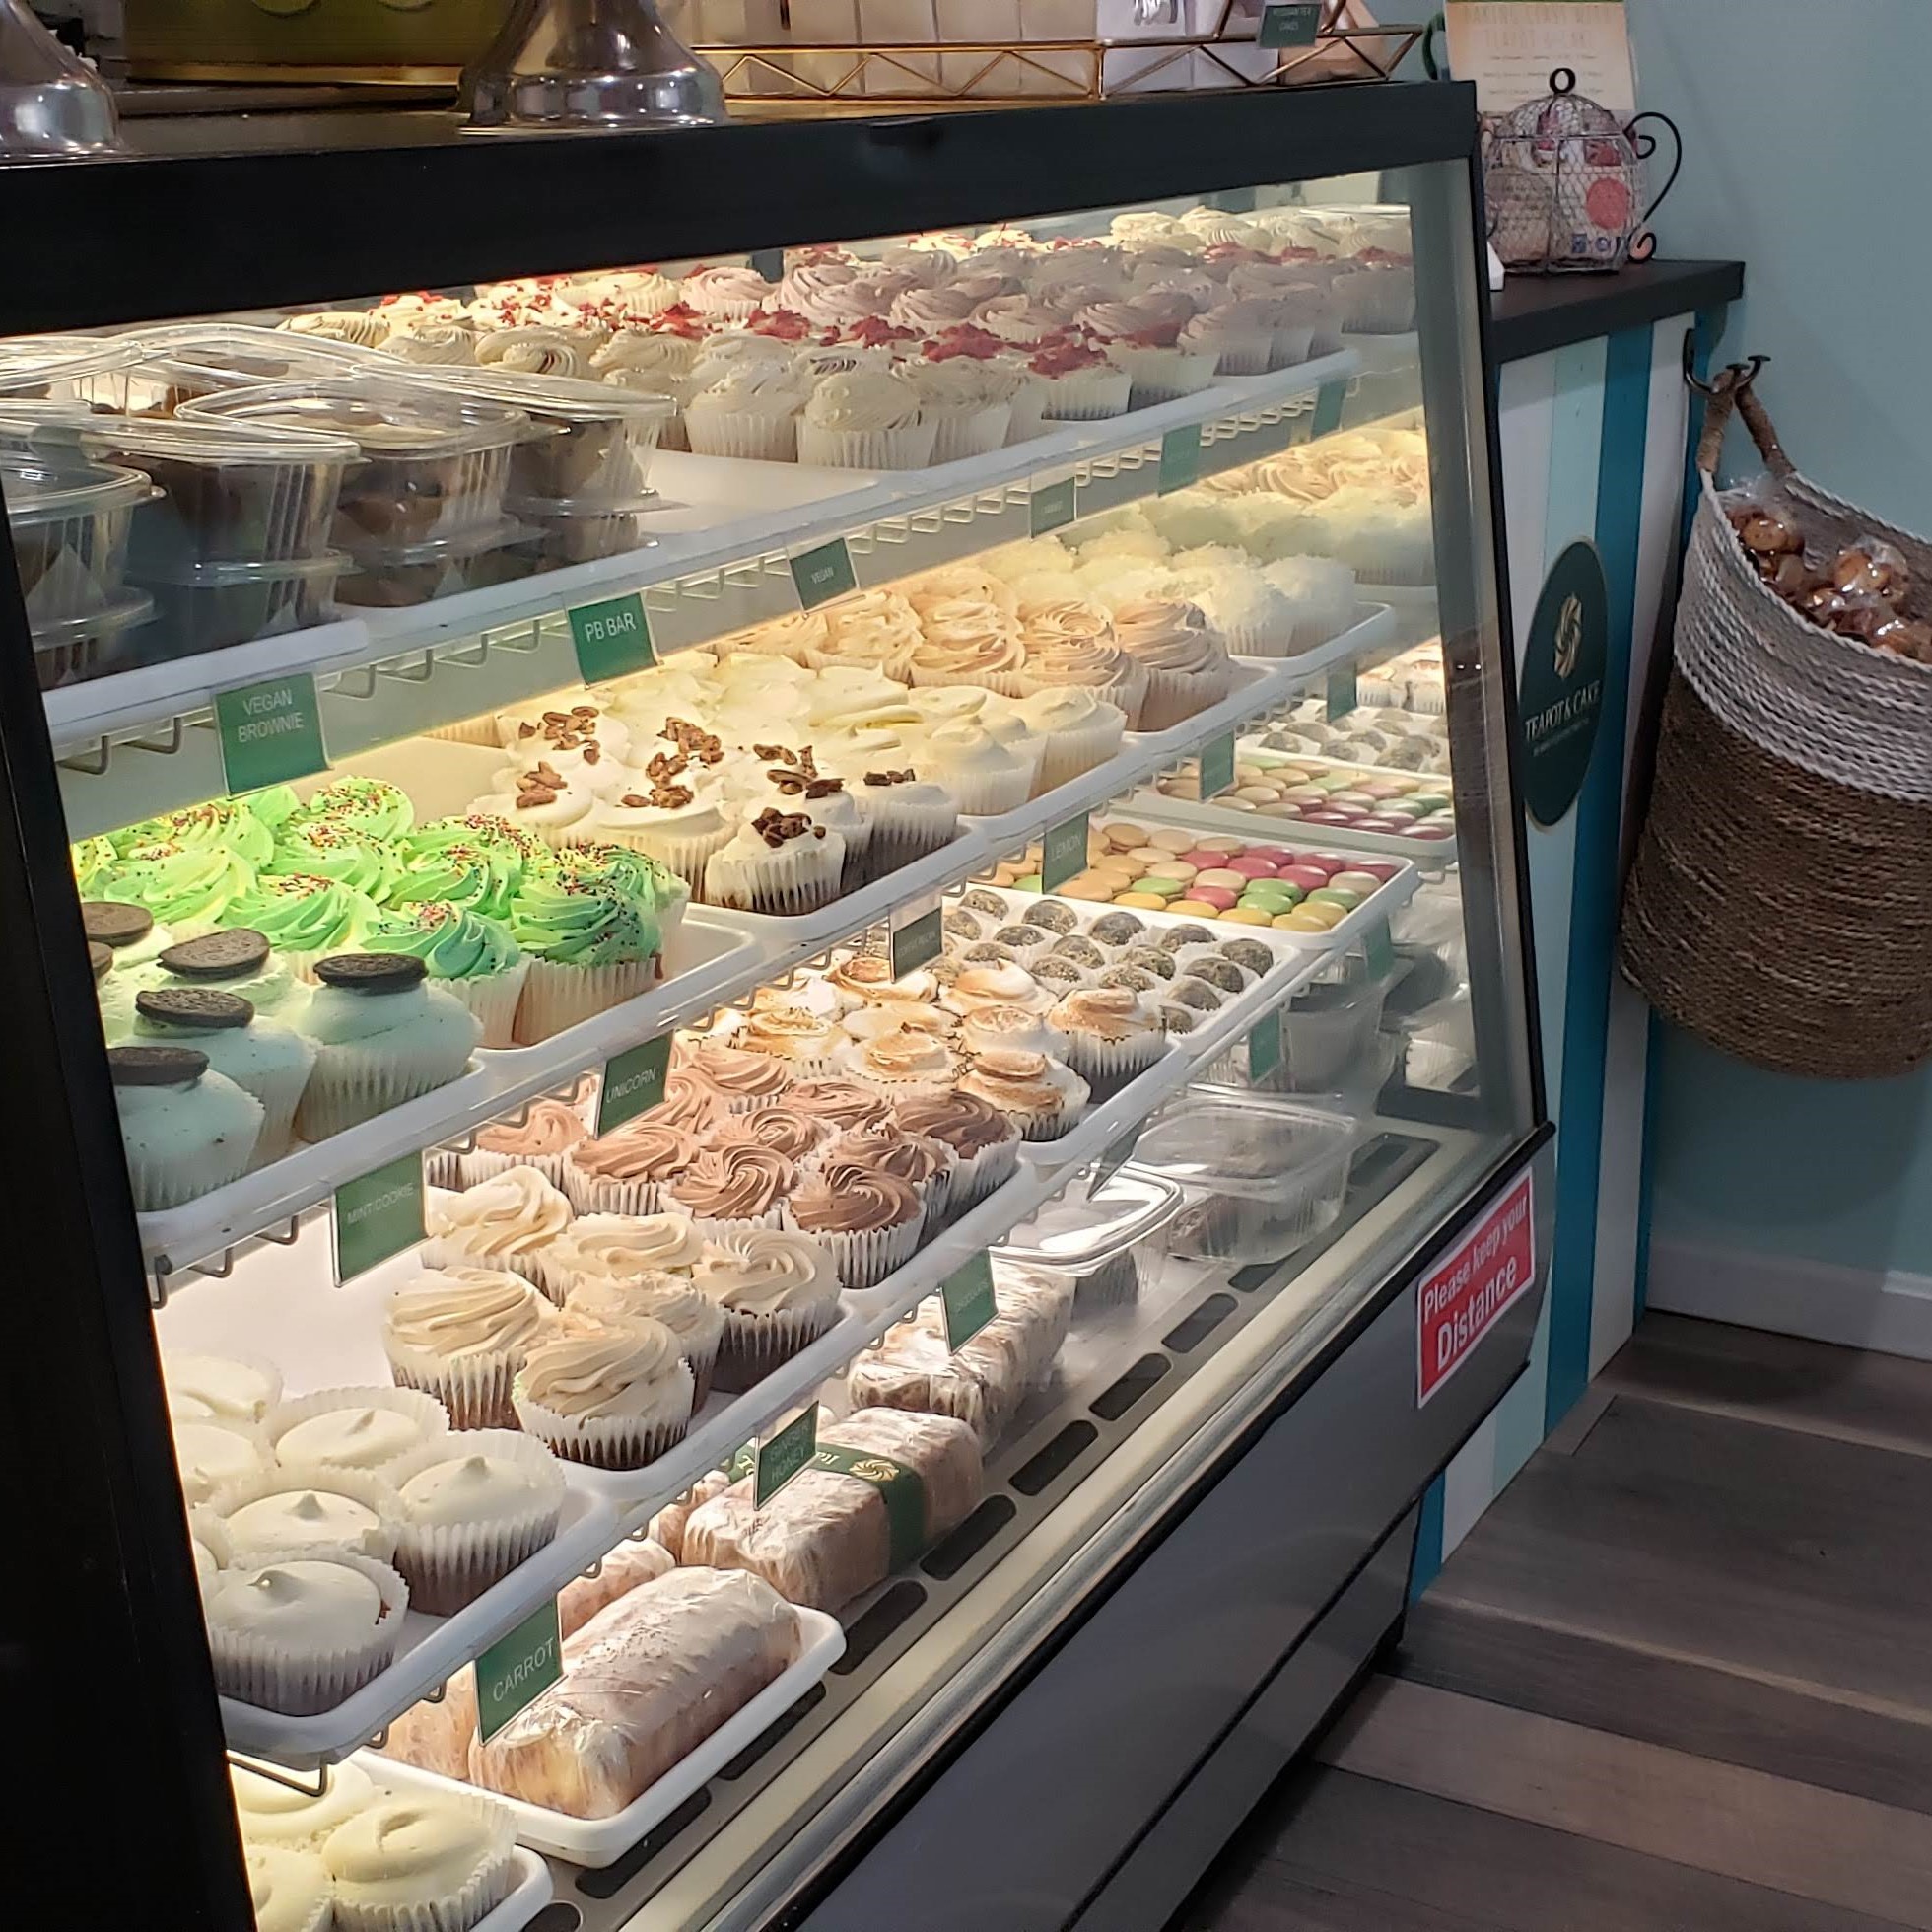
1462	1298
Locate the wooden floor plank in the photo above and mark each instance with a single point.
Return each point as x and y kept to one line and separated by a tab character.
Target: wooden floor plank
1794	1554
1716	1710
1822	1846
1858	1397
1275	1899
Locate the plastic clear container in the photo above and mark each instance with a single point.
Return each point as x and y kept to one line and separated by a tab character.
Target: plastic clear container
1090	1237
66	369
175	363
209	606
77	649
578	530
433	466
398	578
1262	1175
70	521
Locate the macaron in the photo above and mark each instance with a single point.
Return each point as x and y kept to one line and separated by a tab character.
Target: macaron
1249	867
1170	837
1217	897
1194	908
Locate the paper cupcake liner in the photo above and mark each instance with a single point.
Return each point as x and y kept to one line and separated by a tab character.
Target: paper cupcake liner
1069	753
481	1163
683	853
1173	697
904	832
557	996
715	1228
166	1177
976	433
605	1441
1293	344
865	1257
475	1391
1128	693
1380	304
602	1194
540	1269
302	1682
1108	1065
351	1085
1168	375
1028	411
745	434
907	448
702	1362
1248	355
797	878
857	856
472	731
755	1344
443	1167
985	794
671	434
1087	397
280	1094
973	1180
375	1493
457	1911
1412	573
449	1565
424	1410
493	997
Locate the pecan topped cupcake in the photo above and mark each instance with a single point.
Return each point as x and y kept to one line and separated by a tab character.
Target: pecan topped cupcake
778	863
867	1221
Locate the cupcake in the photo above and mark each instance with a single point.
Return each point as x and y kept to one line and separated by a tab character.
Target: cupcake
288	1890
783	1129
184	1129
1112	1035
292	1509
866	419
209	1455
779	1292
984	777
273	1814
874	1023
900	1063
727	1190
1011	1029
613	1396
353	1428
624	1172
460	1334
542	1140
472	1506
838	1103
225	1389
268	1061
779	862
594	942
675	814
801	1041
1002	985
738	1081
749	412
868	1221
983	1140
1040	1097
384	1036
620	1247
1186	662
321	847
1078	730
1079	384
612	1299
301	1635
421	1862
910	817
189	889
1056	662
968	402
468	955
885	1147
505	1222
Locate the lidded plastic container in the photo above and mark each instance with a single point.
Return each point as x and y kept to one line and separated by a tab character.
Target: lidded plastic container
73	650
1262	1176
398	576
1090	1237
579	530
175	363
66	369
69	519
209	606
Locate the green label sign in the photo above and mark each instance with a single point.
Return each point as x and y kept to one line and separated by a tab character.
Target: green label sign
1294	25
1064	853
516	1669
632	1082
824	574
784	1456
1329	399
1180	457
378	1214
1343	694
1379	947
1264	1047
966	1296
1114	1159
1217	766
1051	507
271	733
613	639
1562	696
917	944
769	262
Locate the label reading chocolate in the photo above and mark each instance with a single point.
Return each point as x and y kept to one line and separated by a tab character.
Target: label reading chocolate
1294	24
966	1296
1052	506
271	733
1064	853
1264	1047
376	1215
1379	947
632	1082
787	1454
1343	693
1217	766
613	639
1180	458
824	574
1329	399
917	943
516	1669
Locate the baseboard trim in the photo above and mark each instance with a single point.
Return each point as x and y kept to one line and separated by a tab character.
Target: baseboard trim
1858	1308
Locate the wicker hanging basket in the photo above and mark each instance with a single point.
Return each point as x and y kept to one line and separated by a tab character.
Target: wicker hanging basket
1780	902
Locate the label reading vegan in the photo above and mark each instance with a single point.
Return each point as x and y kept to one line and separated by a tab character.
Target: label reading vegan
1379	947
378	1214
1343	693
1264	1047
1064	853
1292	25
1329	399
917	944
613	639
632	1082
1180	458
271	733
824	574
788	1453
1217	766
966	1295
1051	507
516	1669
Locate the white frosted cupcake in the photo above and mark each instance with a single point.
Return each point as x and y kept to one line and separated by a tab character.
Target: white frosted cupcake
1078	730
301	1634
673	1299
910	816
265	1059
866	419
1079	384
506	1221
289	1890
984	777
1186	660
185	1128
542	1140
422	1862
365	1429
472	1506
1003	984
621	1248
1041	1097
1011	1029
1112	1035
611	1396
236	1391
750	412
778	1289
969	402
460	1335
778	863
212	1455
276	1815
1238	334
290	1509
1252	617
799	1039
1323	595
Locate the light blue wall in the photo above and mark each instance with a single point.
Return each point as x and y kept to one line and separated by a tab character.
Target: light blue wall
1807	124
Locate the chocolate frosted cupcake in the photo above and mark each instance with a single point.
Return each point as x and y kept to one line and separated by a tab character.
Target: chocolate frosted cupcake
727	1190
783	1129
779	1290
625	1171
838	1103
1040	1097
737	1081
541	1141
985	1142
868	1221
888	1149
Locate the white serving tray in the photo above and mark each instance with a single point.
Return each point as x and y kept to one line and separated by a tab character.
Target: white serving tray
1428	855
529	1892
598	1842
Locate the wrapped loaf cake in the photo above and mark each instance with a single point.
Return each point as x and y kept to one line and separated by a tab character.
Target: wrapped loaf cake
883	1487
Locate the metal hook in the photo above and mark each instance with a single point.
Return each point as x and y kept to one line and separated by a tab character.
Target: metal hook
104	751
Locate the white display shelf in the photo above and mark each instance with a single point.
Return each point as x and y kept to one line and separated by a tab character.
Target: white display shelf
530	1891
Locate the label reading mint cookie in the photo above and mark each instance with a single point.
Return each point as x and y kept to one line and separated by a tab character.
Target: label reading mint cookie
376	1215
516	1669
613	639
1217	766
917	943
966	1296
1180	458
632	1082
787	1454
271	733
1064	853
1052	506
824	574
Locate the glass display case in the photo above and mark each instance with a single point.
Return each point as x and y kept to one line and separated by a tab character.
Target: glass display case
766	919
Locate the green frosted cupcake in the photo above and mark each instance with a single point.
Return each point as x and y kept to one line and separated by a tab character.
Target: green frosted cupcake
368	807
188	889
593	944
474	957
303	917
222	825
653	883
480	878
95	860
321	847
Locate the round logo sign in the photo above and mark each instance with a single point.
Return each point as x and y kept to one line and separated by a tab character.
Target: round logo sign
1561	695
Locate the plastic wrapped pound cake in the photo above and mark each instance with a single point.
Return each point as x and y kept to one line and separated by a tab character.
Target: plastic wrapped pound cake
646	1681
883	1485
